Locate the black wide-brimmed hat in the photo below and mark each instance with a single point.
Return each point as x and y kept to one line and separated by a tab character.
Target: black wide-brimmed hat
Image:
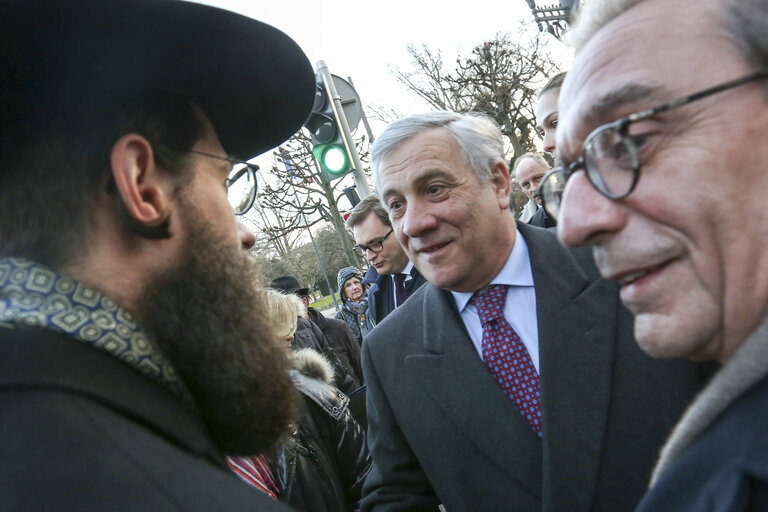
252	81
288	284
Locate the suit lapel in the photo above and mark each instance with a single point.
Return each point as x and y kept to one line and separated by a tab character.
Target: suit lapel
453	374
576	318
410	285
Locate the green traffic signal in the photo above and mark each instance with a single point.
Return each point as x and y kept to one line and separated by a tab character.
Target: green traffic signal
333	160
326	132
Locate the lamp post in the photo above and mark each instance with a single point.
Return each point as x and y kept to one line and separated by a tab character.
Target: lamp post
553	18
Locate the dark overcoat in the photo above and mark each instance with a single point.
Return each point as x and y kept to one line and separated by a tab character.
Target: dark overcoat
80	430
441	429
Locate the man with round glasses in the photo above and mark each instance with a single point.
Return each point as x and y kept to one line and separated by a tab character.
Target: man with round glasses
662	121
134	347
391	275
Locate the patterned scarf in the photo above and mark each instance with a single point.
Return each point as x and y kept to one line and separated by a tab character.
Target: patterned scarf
32	295
359	309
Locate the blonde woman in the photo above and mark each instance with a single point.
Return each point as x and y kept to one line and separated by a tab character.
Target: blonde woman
322	464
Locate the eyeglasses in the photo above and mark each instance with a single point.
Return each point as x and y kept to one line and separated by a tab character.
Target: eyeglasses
374	247
241	183
610	154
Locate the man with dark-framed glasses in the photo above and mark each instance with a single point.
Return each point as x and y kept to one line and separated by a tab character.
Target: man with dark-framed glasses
135	350
391	276
662	120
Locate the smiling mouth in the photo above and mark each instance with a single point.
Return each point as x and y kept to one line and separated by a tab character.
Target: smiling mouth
432	248
632	277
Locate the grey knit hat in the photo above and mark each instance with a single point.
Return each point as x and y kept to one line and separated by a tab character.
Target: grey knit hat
344	275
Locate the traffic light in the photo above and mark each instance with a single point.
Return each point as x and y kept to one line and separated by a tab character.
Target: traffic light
329	149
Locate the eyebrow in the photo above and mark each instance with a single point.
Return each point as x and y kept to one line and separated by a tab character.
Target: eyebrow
416	183
546	120
374	240
603	108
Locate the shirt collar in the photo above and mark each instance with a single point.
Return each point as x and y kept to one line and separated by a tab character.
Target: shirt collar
515	272
407	270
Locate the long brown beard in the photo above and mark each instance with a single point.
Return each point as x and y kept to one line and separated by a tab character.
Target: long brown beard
207	317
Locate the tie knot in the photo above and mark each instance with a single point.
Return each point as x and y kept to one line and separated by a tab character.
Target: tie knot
400	279
490	303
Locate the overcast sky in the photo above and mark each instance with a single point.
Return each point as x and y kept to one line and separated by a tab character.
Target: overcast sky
363	39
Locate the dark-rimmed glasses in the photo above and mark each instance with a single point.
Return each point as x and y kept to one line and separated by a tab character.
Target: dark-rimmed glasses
241	183
374	247
610	154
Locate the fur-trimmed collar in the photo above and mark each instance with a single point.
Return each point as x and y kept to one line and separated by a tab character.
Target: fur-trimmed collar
313	364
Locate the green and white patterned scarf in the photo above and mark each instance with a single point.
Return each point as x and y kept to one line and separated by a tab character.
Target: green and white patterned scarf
34	296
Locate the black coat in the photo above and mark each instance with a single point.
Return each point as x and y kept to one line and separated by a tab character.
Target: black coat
542	219
381	301
323	466
309	335
725	466
79	430
441	429
341	338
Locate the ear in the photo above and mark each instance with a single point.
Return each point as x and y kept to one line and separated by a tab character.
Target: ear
144	189
502	184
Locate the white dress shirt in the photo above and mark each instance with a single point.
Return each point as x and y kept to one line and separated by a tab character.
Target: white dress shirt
519	307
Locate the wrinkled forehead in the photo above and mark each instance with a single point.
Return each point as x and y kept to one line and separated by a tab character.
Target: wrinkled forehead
653	52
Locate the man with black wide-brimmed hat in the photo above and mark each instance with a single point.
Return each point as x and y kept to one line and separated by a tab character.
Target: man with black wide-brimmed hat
132	352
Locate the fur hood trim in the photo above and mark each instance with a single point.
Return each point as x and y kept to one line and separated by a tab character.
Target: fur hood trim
313	364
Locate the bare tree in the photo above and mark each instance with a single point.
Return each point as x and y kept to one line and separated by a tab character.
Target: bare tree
297	196
499	77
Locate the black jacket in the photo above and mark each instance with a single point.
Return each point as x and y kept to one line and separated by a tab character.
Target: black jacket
341	338
322	467
79	430
309	335
542	219
381	301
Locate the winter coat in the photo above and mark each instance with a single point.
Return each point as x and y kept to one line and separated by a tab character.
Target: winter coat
323	465
81	430
309	335
342	340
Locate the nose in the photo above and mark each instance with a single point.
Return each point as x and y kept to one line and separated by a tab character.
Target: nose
370	255
586	216
247	238
549	141
416	221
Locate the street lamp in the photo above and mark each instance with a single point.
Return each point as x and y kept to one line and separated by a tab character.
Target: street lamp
554	18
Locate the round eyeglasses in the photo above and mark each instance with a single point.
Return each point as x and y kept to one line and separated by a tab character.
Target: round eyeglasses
610	155
242	187
241	183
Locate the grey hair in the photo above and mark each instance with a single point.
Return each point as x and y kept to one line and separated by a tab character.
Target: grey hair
746	22
593	16
536	157
478	136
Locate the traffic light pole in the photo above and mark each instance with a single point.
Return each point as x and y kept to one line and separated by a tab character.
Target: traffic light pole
330	88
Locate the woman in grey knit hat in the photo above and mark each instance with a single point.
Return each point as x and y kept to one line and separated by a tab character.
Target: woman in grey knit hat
354	298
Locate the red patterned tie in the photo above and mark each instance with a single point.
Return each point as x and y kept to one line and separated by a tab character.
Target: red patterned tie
506	356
